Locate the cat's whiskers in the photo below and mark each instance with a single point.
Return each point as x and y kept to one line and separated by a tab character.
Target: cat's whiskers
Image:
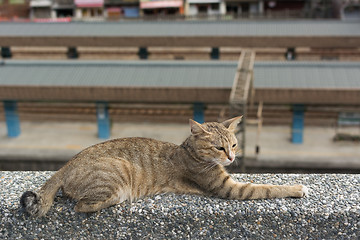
210	166
238	152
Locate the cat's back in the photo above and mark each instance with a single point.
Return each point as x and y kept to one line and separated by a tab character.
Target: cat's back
126	168
131	149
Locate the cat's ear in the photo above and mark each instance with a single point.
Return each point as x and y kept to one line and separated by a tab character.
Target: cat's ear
232	123
196	127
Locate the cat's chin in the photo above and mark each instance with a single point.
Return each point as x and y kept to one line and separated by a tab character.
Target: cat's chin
227	162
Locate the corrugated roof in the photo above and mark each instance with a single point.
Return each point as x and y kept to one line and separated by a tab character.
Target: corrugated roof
212	74
185	28
118	73
307	75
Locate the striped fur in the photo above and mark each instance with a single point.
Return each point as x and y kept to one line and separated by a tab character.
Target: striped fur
125	169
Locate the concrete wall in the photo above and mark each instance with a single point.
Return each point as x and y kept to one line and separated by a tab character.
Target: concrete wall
331	211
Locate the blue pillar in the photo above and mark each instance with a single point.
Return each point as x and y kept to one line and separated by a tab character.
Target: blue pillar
199	112
298	124
103	120
12	118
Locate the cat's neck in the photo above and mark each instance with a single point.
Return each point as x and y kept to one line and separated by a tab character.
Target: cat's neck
189	150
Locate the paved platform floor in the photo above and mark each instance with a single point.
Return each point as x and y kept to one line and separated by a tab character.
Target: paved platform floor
317	151
52	140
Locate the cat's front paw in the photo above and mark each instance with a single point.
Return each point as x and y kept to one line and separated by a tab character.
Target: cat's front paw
300	191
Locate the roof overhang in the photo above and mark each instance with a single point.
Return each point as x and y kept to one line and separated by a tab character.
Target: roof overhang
183	41
308	96
116	94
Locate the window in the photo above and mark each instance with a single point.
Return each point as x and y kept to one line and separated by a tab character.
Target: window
202	8
215	6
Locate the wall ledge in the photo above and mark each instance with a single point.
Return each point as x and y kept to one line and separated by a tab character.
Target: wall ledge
331	211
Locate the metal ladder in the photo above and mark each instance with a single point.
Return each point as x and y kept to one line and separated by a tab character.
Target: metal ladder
241	90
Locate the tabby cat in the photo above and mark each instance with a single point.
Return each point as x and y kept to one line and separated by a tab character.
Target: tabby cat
122	169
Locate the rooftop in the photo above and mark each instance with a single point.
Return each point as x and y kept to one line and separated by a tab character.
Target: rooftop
182	74
178	81
185	28
118	81
294	82
294	33
307	75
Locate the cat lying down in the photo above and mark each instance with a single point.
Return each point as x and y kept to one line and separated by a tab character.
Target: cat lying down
122	169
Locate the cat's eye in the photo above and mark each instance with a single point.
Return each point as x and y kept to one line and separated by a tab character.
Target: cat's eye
220	148
234	145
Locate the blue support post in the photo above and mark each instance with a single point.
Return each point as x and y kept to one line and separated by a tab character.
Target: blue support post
199	112
12	119
298	124
103	120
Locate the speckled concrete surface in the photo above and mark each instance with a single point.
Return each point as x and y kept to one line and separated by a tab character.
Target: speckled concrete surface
331	211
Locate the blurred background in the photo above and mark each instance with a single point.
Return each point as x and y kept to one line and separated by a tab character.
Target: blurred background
77	72
69	10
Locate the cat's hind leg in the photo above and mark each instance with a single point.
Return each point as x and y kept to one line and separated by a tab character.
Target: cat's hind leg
94	204
88	205
106	183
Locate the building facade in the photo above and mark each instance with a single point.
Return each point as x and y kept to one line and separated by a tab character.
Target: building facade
13	9
89	9
348	9
118	9
63	8
40	9
161	7
204	7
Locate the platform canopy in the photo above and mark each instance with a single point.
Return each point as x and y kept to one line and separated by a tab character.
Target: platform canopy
117	81
209	82
329	83
247	33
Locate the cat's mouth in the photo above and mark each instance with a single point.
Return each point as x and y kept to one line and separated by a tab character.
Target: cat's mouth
227	162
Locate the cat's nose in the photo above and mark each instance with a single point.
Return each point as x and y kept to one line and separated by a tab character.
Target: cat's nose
231	156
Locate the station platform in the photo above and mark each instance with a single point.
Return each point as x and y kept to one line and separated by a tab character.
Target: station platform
48	145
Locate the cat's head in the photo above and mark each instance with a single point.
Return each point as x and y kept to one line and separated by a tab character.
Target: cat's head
215	142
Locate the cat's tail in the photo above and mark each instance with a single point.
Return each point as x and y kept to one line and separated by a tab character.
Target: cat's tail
38	203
